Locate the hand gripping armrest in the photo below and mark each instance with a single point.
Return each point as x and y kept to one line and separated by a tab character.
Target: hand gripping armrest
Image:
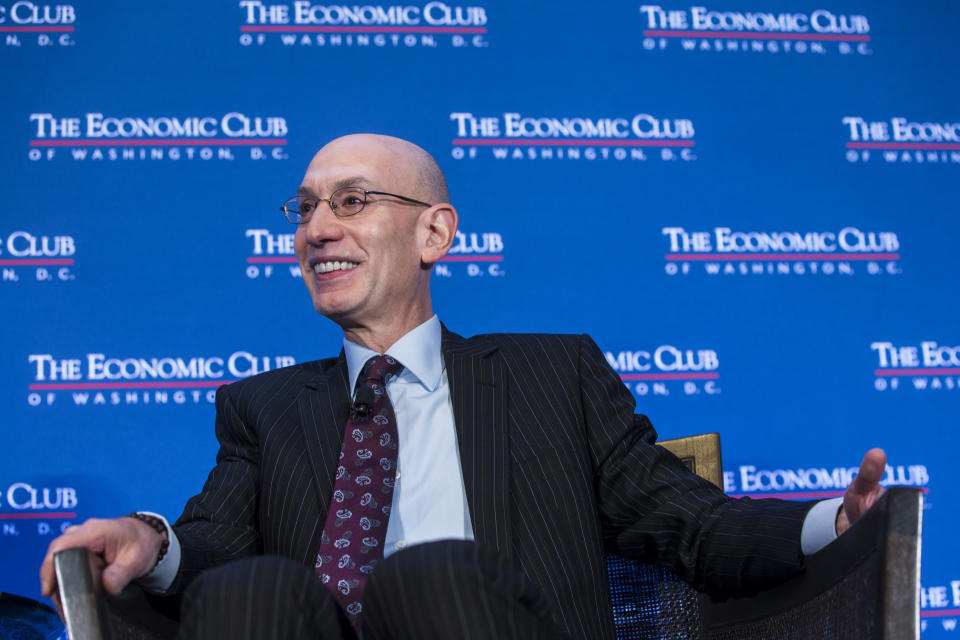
93	616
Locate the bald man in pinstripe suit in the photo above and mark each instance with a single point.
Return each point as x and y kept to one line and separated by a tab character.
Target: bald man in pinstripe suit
521	461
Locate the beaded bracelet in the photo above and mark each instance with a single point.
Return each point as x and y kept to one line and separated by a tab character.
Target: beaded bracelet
158	525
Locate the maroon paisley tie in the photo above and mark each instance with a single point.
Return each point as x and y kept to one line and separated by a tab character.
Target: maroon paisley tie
356	526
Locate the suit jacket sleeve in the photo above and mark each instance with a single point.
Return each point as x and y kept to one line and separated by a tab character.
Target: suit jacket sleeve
655	510
219	524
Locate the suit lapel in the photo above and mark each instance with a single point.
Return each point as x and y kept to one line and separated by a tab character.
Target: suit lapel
324	406
478	389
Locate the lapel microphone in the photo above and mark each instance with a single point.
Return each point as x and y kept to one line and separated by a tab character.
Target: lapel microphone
363	402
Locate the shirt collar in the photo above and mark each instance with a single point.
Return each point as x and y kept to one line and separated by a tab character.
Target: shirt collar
418	351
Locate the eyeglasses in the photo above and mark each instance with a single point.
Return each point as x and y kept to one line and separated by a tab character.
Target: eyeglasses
344	203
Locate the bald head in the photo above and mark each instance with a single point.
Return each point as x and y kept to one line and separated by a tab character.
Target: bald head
409	165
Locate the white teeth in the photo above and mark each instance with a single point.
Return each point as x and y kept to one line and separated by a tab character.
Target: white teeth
336	265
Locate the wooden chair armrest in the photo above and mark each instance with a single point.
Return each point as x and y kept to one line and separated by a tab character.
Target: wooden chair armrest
82	612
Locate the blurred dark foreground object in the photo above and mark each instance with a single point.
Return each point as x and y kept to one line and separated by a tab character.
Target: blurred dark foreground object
25	619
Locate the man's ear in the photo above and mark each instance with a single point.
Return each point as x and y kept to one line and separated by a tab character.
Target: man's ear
439	225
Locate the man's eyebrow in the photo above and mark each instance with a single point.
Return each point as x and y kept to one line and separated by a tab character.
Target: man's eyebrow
352	181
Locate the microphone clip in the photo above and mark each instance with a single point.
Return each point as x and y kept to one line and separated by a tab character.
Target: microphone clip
363	403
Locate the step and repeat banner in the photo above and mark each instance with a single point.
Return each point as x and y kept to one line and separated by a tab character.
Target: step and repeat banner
751	207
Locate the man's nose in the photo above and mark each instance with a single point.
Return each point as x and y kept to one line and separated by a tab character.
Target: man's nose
323	225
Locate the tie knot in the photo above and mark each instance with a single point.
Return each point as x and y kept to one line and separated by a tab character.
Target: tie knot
379	367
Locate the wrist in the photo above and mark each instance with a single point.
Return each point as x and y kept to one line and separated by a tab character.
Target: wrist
157	524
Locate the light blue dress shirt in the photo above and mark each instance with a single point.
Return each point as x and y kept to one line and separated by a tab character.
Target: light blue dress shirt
429	498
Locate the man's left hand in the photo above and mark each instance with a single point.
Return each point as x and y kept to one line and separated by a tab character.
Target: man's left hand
864	490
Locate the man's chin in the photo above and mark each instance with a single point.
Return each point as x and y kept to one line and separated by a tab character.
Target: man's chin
338	313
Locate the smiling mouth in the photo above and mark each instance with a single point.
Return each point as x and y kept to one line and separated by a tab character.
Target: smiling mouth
336	265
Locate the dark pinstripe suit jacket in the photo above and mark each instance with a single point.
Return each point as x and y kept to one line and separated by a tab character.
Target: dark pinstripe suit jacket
558	472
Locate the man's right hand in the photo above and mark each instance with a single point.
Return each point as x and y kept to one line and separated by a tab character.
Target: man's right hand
121	550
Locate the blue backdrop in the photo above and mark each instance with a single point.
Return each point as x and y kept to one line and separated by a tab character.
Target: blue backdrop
750	206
